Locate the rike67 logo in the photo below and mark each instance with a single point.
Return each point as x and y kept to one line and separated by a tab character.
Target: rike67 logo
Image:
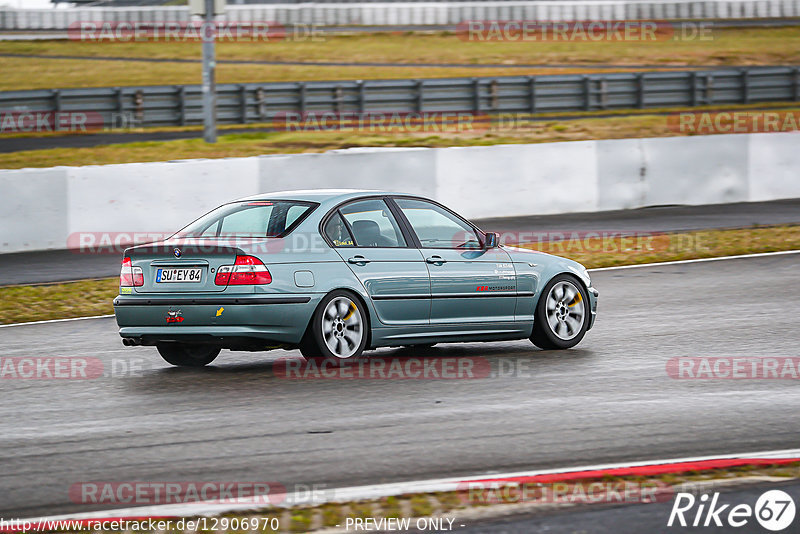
774	511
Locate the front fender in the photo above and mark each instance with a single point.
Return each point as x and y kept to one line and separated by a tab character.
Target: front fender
535	270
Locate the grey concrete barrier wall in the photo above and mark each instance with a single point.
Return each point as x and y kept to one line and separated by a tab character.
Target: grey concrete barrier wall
680	170
154	197
33	209
400	169
414	13
518	179
47	208
773	167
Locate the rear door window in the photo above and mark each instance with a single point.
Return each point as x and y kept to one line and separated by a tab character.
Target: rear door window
372	224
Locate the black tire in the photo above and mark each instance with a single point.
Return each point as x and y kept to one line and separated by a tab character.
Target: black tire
543	335
188	354
314	345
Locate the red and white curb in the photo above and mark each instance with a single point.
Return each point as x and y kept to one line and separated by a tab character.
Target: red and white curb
643	468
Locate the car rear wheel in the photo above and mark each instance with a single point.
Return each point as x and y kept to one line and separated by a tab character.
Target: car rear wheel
562	314
338	329
187	354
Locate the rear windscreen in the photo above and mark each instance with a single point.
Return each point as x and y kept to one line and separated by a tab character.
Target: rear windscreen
258	218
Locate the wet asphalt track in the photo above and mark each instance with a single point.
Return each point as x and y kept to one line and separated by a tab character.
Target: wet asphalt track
609	400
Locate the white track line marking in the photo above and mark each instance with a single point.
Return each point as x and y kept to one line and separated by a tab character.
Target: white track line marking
382	490
57	320
677	262
698	260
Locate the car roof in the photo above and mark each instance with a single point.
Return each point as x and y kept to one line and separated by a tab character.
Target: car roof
320	195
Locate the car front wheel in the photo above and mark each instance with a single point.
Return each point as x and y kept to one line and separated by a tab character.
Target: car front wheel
188	354
338	329
562	314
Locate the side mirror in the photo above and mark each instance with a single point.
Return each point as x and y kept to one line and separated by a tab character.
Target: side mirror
491	240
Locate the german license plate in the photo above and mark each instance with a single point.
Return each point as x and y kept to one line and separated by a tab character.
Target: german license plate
178	274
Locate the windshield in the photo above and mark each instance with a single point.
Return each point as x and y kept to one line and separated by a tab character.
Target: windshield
257	218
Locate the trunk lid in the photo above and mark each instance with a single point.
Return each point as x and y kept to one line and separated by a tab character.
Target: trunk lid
177	262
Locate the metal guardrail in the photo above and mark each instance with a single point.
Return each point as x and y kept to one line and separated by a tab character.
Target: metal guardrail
263	102
428	12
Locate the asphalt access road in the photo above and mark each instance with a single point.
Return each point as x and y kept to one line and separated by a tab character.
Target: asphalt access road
63	265
608	400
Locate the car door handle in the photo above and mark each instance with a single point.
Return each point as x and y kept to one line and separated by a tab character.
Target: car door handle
436	259
358	259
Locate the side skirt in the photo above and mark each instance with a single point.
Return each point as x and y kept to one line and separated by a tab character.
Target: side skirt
467	333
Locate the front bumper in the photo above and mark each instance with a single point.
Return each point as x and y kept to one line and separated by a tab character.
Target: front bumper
593	294
231	322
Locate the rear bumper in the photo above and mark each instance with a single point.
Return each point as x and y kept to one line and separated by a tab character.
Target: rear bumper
207	301
232	322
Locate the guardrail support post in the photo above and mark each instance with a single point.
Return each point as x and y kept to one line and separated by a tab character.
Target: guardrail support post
182	105
56	100
56	107
138	101
532	93
640	90
261	104
603	94
796	83
301	101
362	96
476	94
587	94
120	102
118	116
693	88
338	104
243	103
709	99
420	96
745	87
493	95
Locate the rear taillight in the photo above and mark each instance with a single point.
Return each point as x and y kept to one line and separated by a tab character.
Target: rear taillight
246	270
130	276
